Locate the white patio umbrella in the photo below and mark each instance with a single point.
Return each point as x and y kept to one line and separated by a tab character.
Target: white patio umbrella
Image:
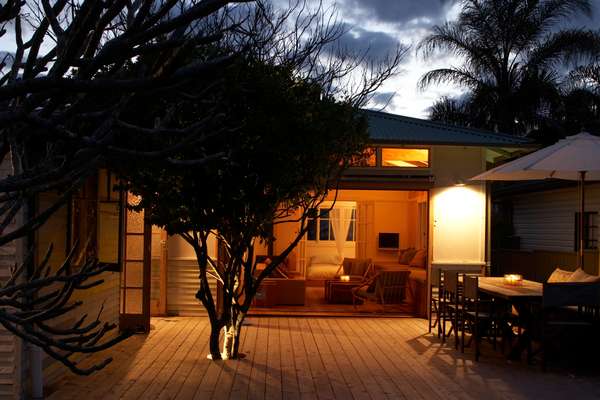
573	158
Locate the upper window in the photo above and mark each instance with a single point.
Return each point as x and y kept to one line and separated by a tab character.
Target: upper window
404	158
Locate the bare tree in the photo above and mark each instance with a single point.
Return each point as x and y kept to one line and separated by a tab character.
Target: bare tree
292	104
74	69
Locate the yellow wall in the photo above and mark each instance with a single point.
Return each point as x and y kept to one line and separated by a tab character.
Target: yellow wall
458	206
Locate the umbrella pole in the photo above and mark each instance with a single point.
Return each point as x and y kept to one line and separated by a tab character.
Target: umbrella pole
581	215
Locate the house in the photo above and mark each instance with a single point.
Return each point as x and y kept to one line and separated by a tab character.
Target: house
538	227
413	192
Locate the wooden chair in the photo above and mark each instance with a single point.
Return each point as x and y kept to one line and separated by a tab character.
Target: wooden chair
386	287
451	305
435	295
477	314
568	306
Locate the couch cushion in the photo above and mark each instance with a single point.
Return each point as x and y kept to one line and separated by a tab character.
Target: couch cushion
559	275
419	260
581	276
325	259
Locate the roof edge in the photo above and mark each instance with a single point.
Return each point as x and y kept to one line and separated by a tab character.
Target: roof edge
516	141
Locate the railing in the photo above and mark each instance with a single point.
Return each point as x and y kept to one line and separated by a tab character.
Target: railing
537	265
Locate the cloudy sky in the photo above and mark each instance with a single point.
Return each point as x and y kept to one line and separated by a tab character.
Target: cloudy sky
380	25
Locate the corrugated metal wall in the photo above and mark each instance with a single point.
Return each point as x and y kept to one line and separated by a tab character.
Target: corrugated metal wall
546	220
182	279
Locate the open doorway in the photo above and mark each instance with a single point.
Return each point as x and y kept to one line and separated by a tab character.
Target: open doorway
365	233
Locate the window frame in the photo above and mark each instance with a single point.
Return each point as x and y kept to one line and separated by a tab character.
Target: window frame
331	239
589	229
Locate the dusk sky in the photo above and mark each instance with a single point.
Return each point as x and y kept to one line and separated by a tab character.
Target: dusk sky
383	23
380	25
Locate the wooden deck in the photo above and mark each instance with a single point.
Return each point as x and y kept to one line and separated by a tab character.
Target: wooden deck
314	358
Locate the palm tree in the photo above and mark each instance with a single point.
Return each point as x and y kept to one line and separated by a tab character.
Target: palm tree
582	99
512	53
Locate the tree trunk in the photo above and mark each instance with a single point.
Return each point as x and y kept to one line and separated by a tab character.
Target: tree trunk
231	339
215	333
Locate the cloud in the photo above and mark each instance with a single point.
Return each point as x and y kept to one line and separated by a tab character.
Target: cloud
400	12
6	59
376	44
381	100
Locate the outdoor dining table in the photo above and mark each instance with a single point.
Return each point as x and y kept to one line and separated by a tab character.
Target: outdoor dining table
525	291
524	297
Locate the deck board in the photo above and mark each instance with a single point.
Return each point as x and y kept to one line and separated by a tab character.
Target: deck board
313	358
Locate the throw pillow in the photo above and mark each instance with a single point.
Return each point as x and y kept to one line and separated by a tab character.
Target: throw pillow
559	275
408	255
581	276
419	260
401	254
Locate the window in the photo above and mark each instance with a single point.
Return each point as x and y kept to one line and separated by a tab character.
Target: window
320	229
404	158
590	230
95	221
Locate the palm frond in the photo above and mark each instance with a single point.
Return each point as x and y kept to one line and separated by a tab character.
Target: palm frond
565	46
457	76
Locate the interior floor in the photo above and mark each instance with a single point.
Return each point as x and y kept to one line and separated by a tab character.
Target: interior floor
315	304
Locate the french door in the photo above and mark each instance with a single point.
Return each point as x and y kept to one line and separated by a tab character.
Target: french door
135	275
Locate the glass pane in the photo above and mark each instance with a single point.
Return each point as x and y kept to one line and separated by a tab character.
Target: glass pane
134	274
324	229
135	222
135	247
133	301
311	233
108	232
405	158
350	235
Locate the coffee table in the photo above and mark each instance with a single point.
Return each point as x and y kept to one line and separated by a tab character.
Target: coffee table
340	292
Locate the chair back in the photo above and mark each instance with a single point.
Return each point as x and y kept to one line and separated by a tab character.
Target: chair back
436	278
451	282
392	285
470	287
357	266
565	294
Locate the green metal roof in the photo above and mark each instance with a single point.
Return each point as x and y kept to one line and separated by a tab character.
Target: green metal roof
398	129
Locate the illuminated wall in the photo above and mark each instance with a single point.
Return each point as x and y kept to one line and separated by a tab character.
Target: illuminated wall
458	215
458	206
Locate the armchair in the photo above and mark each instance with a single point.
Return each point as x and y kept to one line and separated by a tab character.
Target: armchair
386	287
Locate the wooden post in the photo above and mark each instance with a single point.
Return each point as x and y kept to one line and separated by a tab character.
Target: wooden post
581	216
